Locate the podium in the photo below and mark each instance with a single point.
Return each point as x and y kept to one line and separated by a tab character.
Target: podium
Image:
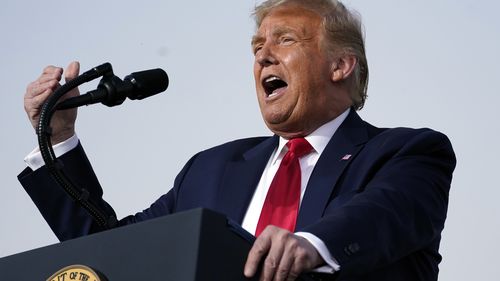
193	245
196	245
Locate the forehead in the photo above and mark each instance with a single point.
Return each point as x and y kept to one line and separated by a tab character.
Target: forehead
290	18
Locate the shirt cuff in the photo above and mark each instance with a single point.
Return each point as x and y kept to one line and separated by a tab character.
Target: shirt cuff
332	264
35	161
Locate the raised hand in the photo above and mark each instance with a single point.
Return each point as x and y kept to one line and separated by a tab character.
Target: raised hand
37	92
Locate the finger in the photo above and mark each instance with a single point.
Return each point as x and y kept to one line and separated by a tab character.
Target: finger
52	69
259	249
50	76
272	263
36	102
301	257
286	262
35	88
296	268
72	71
291	262
50	73
32	106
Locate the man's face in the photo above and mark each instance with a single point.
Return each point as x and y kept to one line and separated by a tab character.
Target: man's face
293	74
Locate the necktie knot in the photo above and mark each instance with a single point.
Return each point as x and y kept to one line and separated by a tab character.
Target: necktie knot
299	147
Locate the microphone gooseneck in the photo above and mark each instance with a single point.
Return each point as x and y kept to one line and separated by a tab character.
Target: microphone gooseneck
111	91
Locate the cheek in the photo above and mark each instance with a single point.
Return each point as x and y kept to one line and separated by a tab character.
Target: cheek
256	72
258	85
305	69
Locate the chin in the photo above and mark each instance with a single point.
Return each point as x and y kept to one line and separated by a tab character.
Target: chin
277	116
286	131
289	135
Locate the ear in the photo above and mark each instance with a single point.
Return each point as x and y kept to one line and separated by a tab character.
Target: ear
343	67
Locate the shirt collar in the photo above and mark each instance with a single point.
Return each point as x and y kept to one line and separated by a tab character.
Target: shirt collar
318	139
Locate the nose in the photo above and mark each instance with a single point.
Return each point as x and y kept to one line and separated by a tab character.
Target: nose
265	56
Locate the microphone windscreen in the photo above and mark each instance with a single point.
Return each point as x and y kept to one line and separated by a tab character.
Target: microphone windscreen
147	83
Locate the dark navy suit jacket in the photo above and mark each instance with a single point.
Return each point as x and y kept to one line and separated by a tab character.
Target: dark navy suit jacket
380	212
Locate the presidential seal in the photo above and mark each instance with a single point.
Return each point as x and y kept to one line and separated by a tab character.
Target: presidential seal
76	272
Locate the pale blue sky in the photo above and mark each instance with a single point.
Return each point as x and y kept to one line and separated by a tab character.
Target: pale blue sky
432	64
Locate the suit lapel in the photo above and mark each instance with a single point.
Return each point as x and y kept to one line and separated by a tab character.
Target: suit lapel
241	178
345	143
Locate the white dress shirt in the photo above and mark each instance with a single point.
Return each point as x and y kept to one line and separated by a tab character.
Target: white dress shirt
34	160
318	140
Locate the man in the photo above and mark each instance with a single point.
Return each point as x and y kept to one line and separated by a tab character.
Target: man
372	201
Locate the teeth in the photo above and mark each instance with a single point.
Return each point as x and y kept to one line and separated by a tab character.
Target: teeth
272	78
272	85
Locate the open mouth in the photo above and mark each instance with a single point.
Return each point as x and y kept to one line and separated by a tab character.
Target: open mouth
273	85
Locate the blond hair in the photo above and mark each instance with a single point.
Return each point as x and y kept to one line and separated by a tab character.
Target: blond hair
343	33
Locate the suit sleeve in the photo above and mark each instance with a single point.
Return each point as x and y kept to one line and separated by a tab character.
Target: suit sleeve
67	218
400	210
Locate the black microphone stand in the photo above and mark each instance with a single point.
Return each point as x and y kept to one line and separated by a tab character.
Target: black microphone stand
54	165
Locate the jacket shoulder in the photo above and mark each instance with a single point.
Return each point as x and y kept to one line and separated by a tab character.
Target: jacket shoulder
402	136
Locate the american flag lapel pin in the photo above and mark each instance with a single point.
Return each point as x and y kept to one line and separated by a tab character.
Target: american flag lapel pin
346	157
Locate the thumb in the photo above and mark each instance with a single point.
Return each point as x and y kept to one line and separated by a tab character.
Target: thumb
72	71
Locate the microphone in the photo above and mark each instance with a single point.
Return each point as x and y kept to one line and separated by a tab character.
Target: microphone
112	91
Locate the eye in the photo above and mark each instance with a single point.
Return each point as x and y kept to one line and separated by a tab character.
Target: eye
287	40
257	48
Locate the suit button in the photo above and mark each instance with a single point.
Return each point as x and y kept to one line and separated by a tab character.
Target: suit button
354	247
351	249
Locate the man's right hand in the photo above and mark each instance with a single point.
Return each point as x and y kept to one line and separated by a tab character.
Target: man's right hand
37	92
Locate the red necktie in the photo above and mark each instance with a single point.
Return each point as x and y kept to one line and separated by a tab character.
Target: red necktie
282	201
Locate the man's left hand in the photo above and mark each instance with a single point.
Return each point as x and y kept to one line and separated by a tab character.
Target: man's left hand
286	255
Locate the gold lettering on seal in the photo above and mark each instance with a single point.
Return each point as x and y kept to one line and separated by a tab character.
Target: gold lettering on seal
75	272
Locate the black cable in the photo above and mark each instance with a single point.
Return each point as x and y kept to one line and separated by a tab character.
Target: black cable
54	165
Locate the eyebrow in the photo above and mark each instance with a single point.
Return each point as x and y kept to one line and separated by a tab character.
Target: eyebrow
256	39
277	32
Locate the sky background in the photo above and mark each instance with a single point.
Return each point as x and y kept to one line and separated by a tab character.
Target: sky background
432	64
